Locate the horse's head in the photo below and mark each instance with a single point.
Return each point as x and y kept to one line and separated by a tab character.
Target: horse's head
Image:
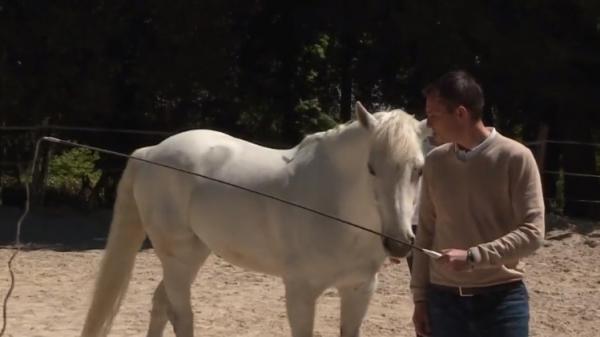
394	166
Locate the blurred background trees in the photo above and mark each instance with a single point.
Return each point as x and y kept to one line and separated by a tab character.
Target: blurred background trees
272	71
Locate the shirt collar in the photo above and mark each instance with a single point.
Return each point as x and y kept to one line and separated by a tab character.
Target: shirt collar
465	155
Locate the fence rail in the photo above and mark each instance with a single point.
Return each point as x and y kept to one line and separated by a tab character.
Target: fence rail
83	128
585	175
539	143
561	142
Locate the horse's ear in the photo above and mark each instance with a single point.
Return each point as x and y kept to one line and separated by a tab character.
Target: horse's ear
364	117
424	130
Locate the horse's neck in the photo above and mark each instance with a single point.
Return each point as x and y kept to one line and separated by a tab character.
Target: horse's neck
350	148
344	149
350	152
336	163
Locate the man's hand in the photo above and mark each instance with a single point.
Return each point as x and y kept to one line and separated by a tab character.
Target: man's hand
421	319
455	259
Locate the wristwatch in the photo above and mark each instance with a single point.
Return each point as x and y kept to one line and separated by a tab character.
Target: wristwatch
470	258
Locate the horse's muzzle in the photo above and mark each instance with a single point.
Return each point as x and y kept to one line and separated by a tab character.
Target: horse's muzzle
395	248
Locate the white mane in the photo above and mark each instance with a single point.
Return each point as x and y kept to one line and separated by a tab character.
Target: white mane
322	136
397	134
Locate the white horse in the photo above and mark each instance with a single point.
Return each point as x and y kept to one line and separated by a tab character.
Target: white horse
365	171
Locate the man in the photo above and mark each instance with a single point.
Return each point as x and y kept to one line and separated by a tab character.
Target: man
481	206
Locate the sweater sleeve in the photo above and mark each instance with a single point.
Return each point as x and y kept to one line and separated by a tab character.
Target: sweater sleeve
424	239
528	209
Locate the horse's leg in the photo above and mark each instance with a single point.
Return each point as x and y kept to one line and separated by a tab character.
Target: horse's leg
161	312
181	260
300	300
355	301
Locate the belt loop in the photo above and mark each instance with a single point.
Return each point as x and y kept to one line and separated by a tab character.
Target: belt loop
460	292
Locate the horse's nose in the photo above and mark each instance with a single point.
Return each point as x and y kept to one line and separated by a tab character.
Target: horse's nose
396	248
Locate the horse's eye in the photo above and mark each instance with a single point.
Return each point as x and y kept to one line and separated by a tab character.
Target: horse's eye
417	173
371	170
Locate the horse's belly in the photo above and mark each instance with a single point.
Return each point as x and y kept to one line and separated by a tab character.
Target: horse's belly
238	231
249	262
245	254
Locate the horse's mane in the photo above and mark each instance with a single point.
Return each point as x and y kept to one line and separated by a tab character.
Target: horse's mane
317	137
395	134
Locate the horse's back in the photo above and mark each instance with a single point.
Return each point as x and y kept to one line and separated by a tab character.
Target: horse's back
219	155
206	153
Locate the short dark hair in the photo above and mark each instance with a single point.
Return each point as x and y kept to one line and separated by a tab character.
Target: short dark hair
459	88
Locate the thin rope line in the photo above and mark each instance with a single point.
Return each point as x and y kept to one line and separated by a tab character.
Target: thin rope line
60	141
18	241
10	290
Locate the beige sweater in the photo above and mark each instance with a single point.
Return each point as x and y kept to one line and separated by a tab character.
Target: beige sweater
490	201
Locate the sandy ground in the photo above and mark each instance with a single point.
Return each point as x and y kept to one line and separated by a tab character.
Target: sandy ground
53	290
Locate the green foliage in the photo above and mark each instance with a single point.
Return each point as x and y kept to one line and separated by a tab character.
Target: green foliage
313	118
73	169
272	71
318	49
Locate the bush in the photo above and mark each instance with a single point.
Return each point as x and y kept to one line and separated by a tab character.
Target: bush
74	170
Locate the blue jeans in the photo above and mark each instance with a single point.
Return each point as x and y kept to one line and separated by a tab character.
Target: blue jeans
502	313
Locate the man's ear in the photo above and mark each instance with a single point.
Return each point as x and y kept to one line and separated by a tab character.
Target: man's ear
462	112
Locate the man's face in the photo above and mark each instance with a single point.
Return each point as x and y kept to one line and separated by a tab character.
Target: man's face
445	123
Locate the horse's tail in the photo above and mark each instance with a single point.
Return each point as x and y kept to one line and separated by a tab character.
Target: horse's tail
125	239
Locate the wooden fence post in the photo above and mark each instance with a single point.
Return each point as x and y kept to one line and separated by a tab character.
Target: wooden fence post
40	171
540	153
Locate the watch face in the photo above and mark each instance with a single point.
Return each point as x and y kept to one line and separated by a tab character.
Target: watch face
470	256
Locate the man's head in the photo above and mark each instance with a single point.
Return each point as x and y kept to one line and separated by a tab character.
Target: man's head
454	102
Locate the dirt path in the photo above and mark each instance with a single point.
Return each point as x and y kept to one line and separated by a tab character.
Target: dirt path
53	288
